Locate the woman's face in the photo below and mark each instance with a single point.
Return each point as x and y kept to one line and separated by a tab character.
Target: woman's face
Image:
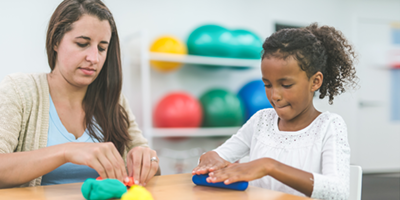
82	51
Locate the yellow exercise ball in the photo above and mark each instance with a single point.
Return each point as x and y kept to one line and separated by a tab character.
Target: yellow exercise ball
167	44
137	192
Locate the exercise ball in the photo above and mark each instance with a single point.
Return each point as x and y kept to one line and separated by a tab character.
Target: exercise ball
178	109
214	40
221	108
210	40
253	97
249	44
167	44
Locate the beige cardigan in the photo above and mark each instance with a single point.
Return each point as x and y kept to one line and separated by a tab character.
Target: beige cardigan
24	116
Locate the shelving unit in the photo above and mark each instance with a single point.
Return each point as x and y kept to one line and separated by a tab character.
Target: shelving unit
194	132
203	60
151	132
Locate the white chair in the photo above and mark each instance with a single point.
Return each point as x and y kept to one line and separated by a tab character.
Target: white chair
355	182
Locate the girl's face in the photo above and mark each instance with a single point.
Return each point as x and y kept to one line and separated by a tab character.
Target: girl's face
288	88
82	51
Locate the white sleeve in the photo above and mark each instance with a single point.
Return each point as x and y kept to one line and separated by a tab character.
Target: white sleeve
238	146
333	183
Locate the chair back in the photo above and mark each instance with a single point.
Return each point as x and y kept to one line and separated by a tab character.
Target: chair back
355	182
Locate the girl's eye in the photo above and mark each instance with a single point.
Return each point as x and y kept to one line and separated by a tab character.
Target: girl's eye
287	86
267	86
81	45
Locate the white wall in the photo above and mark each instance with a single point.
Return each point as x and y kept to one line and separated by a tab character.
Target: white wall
24	22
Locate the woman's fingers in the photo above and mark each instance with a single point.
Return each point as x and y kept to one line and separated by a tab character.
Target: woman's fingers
102	157
107	166
96	165
140	165
137	165
129	164
153	169
146	159
117	163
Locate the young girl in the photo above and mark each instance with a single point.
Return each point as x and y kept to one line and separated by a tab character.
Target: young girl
72	123
294	148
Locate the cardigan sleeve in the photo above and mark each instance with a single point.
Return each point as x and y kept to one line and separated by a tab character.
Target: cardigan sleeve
333	182
10	115
133	130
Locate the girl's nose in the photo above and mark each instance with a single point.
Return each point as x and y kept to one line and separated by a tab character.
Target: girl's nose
275	95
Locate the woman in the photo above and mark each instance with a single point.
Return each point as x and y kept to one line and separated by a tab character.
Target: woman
72	123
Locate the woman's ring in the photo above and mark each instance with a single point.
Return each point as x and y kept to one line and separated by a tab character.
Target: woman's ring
153	159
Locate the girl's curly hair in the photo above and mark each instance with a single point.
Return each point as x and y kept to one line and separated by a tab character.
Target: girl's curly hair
317	49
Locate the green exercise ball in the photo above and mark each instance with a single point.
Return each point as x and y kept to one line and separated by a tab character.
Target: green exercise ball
221	108
211	40
217	41
249	45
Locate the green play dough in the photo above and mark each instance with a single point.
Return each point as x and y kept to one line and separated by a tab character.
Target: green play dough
103	189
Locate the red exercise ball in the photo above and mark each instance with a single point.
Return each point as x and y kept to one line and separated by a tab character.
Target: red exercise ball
179	110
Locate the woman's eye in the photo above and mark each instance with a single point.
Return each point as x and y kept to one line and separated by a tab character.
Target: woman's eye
81	45
101	49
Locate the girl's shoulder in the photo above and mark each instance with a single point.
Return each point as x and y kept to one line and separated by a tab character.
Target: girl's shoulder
328	117
329	123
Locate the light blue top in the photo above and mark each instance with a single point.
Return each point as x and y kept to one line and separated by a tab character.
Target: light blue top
67	173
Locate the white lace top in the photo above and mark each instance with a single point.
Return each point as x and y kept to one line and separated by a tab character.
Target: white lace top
321	148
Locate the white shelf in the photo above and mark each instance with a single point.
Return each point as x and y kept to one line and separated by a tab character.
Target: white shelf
204	60
194	132
141	40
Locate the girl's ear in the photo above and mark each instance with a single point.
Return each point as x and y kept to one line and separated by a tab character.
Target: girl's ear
316	80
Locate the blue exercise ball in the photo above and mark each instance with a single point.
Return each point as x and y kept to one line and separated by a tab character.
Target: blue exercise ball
253	97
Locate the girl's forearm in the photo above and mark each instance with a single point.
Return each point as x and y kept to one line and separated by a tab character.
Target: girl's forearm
297	179
21	167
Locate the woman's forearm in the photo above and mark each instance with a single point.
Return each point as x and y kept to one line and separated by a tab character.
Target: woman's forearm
297	179
21	167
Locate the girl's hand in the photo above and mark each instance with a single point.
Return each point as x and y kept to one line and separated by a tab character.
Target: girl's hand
242	171
210	162
142	164
102	157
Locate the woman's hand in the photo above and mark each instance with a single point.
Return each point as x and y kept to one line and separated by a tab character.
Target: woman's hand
142	164
242	171
102	157
210	162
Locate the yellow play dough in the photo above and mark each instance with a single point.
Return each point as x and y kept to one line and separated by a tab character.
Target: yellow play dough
137	192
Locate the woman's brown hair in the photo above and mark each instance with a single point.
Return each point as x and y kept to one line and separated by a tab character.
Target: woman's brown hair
101	102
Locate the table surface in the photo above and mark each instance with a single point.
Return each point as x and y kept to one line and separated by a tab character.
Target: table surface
174	187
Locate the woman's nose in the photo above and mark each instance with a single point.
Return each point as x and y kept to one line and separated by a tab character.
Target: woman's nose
93	55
